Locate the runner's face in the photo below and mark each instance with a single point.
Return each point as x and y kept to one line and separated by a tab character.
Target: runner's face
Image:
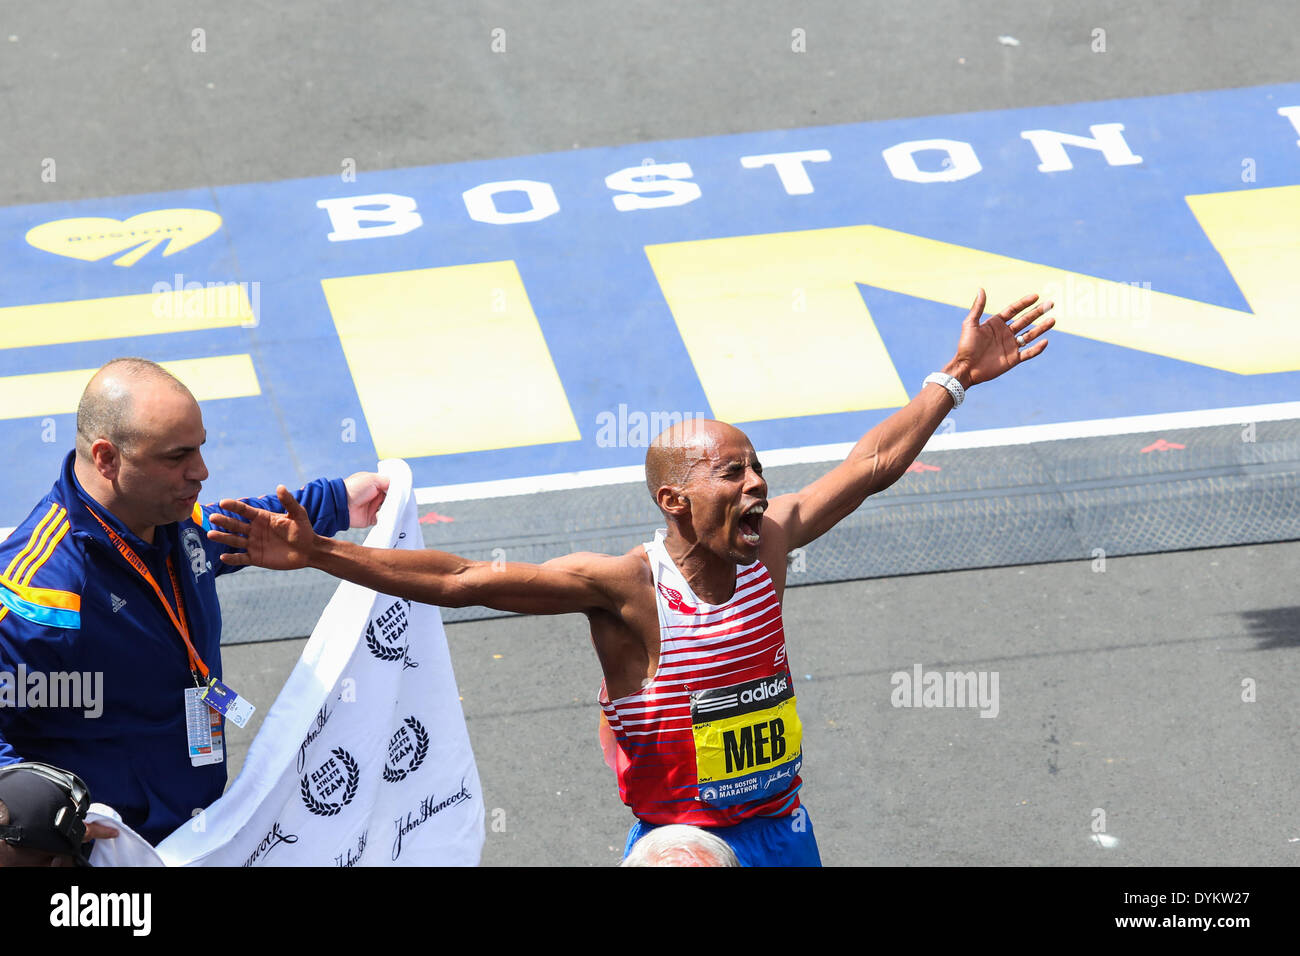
728	495
162	469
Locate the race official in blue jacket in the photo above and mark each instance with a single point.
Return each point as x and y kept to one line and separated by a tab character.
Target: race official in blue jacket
89	603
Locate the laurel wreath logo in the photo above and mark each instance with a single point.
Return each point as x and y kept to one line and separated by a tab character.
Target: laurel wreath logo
394	774
379	650
384	653
322	808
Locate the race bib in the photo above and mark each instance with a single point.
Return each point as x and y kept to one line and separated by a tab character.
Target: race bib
203	730
748	741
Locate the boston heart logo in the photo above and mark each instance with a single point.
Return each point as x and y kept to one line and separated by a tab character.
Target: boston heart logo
92	239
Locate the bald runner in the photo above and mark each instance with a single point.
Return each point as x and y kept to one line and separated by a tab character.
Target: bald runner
700	723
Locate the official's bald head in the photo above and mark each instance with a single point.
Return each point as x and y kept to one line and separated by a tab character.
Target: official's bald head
680	447
121	401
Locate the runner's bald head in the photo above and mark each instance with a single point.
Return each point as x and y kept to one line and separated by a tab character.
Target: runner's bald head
108	405
677	449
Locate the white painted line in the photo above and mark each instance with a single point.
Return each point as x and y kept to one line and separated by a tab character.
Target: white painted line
1206	418
986	438
503	487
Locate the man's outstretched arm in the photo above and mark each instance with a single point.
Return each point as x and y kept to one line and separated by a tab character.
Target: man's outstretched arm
985	351
574	583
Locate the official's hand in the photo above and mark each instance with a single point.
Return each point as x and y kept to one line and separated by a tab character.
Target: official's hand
99	831
987	349
282	542
366	493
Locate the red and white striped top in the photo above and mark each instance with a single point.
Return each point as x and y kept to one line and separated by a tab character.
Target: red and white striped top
702	647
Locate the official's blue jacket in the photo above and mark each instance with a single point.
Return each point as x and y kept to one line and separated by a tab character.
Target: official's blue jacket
71	604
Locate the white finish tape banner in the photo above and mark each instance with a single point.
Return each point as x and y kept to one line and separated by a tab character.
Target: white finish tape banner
364	758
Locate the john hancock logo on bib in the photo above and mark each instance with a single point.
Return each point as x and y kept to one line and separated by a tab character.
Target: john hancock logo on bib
406	750
331	786
386	634
748	740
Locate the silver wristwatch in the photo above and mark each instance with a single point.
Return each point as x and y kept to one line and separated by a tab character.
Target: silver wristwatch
951	384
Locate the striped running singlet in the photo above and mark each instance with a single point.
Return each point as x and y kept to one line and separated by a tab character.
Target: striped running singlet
714	738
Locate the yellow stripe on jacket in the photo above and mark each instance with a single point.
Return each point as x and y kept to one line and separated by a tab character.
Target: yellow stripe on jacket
45	554
31	542
49	532
45	597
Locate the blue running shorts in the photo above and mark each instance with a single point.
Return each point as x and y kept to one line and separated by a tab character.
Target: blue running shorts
759	841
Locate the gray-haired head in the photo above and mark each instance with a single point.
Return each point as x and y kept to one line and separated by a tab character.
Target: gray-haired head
678	844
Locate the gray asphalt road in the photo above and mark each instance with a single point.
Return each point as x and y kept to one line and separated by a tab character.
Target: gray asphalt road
115	92
1119	691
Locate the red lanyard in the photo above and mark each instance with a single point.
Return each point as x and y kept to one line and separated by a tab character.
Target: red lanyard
178	616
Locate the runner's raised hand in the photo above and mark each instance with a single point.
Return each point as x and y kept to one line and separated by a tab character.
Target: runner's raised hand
990	348
282	542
